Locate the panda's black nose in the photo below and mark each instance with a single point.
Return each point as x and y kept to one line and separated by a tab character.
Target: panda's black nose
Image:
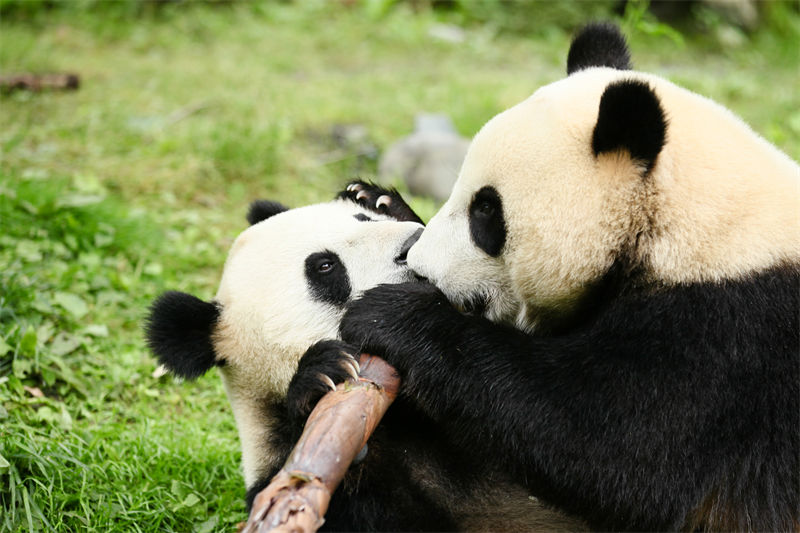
402	257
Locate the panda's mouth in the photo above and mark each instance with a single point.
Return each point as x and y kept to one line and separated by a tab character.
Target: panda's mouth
402	255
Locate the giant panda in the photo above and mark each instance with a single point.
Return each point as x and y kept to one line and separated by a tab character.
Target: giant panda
272	330
613	307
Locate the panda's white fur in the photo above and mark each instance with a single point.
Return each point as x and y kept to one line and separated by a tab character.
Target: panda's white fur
268	317
727	201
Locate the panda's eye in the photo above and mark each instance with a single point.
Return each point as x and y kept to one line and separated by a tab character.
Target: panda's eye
325	266
326	275
484	209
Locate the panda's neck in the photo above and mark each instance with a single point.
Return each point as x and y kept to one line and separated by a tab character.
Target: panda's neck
255	424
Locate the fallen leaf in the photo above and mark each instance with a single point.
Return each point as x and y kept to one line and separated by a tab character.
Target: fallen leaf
72	303
36	392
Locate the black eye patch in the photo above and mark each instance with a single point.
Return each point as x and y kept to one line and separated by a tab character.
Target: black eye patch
327	278
487	226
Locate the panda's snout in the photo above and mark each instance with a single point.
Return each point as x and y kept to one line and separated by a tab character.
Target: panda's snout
402	257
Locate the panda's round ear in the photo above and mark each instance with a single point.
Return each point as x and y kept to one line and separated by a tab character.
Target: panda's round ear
263	209
630	118
599	44
178	330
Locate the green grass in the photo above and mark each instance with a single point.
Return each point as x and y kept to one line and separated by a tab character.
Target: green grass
139	181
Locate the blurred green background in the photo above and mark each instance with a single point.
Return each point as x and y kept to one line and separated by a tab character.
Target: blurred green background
139	181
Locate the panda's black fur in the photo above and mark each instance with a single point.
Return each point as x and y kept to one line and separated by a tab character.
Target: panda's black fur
630	118
600	44
666	406
327	278
263	209
532	406
487	226
178	332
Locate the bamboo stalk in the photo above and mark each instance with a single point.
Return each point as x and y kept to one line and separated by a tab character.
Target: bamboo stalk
337	429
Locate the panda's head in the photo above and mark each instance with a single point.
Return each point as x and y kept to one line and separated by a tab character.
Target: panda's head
608	176
285	284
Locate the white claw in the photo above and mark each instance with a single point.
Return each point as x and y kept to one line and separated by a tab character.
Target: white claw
353	361
383	200
328	381
354	187
361	194
351	369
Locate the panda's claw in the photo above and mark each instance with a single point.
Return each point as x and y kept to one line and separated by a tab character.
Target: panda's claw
354	187
350	366
362	195
352	360
328	381
384	201
324	365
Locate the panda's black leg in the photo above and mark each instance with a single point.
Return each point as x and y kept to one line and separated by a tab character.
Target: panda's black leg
322	367
379	200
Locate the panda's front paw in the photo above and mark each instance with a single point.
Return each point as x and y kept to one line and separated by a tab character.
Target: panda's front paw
368	195
405	323
379	200
322	367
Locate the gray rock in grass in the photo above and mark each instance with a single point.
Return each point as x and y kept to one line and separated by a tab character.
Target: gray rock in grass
428	160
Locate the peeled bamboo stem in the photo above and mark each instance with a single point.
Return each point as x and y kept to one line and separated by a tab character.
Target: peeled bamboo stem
337	429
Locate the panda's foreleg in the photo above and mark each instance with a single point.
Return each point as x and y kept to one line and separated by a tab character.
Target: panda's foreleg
660	409
528	408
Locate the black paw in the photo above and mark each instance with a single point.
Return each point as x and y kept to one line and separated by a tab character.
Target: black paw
379	200
402	323
321	368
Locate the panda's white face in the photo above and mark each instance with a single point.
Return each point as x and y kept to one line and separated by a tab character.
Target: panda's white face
286	281
539	215
473	280
526	174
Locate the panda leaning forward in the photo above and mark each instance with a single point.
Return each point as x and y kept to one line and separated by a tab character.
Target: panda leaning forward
613	308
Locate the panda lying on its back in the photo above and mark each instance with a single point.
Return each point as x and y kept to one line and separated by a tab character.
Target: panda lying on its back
283	292
645	244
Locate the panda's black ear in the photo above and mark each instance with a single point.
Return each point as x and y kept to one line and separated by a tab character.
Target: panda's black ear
630	118
599	44
263	209
178	331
